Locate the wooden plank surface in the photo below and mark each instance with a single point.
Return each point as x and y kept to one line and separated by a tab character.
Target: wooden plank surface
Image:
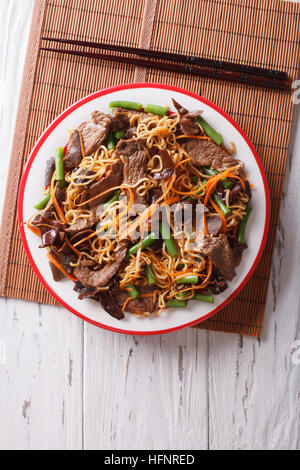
69	385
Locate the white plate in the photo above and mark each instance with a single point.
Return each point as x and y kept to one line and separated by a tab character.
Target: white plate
56	136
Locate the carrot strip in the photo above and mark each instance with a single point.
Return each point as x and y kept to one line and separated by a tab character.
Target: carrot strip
33	229
182	162
224	223
205	224
53	261
199	137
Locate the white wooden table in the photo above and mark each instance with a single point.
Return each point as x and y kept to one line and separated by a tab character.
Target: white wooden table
65	384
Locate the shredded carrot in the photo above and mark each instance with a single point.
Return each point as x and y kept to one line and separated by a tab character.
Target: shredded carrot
55	262
182	273
252	186
126	303
199	137
224	223
182	162
92	235
190	193
71	246
210	270
33	229
213	181
205	224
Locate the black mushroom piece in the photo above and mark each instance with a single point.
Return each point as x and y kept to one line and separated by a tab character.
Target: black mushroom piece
64	256
237	249
168	166
109	304
237	189
187	122
50	168
218	250
208	154
97	279
51	231
73	156
94	132
136	157
218	283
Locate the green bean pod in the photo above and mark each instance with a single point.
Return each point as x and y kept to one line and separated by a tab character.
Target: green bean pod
43	202
119	135
113	199
59	164
177	303
210	131
242	226
191	279
132	291
125	105
223	208
155	109
146	242
110	142
168	239
204	298
151	279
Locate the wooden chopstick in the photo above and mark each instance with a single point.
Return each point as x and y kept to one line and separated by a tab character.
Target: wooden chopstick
186	69
192	60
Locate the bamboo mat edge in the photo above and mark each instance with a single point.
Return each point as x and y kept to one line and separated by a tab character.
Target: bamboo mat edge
15	166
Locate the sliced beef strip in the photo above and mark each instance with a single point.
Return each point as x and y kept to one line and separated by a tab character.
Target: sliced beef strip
154	195
207	153
113	179
120	120
218	250
50	168
73	156
132	112
237	249
96	279
131	133
83	291
214	224
168	169
56	273
136	306
83	224
94	132
136	157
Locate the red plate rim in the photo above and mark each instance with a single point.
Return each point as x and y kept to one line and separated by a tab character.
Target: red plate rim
50	129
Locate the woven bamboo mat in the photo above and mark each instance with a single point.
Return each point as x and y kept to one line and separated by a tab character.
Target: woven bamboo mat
256	32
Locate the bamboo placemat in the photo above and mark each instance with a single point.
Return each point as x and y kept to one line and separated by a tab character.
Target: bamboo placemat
255	32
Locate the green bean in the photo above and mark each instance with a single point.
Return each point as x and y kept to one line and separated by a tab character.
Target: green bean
191	279
125	105
204	298
224	209
146	242
133	292
210	131
113	199
177	303
119	135
59	164
181	295
242	226
225	181
155	109
43	202
62	184
168	239
110	142
151	279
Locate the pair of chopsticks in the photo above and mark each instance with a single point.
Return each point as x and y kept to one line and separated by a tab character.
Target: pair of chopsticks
239	73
